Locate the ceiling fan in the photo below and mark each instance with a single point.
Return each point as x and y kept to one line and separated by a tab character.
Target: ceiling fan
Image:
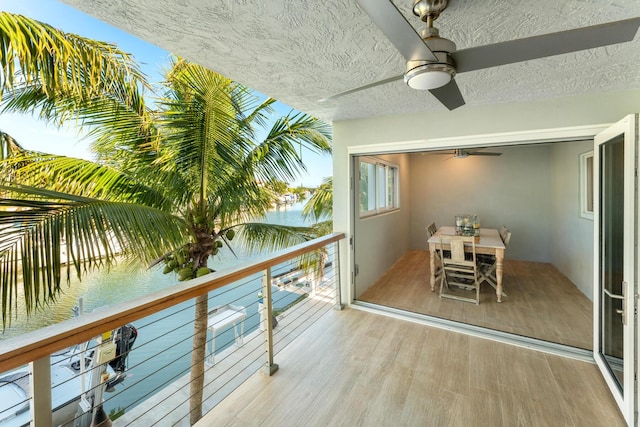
433	61
460	153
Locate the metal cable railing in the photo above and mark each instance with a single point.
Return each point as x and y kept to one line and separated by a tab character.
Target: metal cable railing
154	388
299	305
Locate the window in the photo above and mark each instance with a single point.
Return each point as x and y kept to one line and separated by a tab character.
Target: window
586	185
378	186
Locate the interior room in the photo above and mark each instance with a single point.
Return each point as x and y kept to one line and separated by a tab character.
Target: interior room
535	190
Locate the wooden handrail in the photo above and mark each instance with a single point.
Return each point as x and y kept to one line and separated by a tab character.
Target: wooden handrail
34	345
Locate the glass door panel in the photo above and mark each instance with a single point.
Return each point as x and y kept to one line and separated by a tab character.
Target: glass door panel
611	259
615	219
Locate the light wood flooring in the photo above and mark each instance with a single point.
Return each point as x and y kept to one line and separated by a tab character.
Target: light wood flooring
354	368
541	302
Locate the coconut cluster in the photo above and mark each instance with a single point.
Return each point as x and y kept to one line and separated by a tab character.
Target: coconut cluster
182	263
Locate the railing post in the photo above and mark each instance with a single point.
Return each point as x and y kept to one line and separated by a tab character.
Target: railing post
269	368
40	384
338	283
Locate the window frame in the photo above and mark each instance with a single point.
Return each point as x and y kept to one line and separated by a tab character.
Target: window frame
586	185
385	187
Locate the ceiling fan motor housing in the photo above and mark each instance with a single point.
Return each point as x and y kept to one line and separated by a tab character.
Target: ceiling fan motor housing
440	48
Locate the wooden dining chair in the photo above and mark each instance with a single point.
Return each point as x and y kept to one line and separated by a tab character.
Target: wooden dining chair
487	264
458	271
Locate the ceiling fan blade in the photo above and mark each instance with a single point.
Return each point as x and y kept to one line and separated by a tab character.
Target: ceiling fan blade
483	153
358	89
492	55
397	29
449	95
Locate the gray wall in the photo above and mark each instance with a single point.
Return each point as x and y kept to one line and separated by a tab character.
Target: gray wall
513	189
534	190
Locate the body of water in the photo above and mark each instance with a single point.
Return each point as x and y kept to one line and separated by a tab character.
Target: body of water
162	352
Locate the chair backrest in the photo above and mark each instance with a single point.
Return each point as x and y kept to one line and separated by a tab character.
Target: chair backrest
507	239
456	244
431	229
503	232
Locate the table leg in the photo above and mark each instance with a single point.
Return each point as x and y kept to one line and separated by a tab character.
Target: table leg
499	277
432	263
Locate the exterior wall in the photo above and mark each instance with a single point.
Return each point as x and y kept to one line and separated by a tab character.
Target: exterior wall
353	135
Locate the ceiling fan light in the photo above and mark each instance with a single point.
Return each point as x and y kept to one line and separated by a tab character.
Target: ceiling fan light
429	80
429	76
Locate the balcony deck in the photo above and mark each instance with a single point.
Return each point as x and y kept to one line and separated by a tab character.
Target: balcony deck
232	367
357	368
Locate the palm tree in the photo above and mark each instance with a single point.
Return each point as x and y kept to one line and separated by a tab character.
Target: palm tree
170	184
319	210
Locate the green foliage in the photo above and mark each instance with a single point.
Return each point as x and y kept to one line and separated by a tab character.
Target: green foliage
320	205
174	180
36	56
300	192
277	186
114	414
8	146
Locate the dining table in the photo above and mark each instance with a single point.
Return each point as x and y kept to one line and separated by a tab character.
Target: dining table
489	243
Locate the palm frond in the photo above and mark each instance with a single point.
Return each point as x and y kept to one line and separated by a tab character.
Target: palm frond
261	115
41	230
263	237
320	205
8	146
82	178
257	236
278	157
31	51
199	124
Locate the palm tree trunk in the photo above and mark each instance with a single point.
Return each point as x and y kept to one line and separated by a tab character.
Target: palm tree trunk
197	358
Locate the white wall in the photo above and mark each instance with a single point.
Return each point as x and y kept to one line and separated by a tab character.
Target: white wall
572	244
465	121
382	239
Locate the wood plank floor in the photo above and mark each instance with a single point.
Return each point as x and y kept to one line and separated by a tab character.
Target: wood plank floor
541	303
354	368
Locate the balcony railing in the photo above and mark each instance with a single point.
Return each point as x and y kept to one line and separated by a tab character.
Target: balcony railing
245	303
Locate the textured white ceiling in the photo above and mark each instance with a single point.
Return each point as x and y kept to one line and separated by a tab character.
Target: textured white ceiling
302	51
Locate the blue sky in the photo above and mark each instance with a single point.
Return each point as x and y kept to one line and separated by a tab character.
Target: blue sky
36	135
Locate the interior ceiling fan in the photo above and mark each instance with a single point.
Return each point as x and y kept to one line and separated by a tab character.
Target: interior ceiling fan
460	153
433	61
